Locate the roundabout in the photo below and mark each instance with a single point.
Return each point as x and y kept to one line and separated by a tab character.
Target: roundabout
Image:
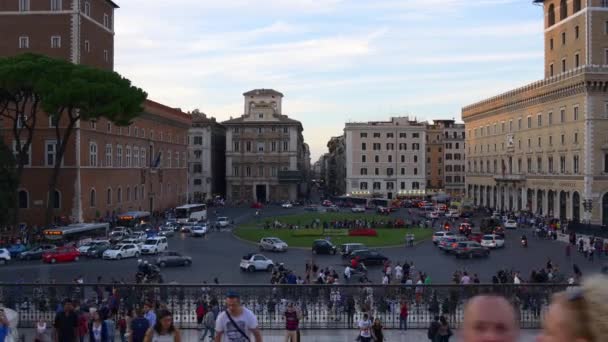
300	230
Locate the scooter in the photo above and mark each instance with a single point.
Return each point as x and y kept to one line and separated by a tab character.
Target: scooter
524	243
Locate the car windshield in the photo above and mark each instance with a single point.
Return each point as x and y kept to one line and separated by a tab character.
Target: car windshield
115	248
222	219
487	237
150	242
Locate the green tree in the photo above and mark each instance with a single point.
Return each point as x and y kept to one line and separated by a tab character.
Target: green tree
72	93
8	185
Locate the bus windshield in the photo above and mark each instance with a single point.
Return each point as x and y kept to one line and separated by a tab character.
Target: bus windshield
133	219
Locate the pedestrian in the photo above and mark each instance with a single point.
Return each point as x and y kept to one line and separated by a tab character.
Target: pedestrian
433	330
41	332
236	323
209	325
365	325
489	318
163	330
149	314
292	322
111	327
66	323
122	327
377	333
5	329
403	313
591	252
563	321
444	332
98	330
138	327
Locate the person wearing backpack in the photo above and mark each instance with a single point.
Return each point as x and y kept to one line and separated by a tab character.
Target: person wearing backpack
209	325
433	332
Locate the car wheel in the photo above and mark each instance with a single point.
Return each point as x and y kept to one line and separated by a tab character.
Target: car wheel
2	261
137	254
269	268
76	258
162	264
118	257
251	269
314	251
28	258
187	263
53	261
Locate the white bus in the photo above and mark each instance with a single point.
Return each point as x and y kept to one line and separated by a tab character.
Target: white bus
192	212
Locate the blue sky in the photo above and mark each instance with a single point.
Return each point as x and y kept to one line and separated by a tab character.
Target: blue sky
335	60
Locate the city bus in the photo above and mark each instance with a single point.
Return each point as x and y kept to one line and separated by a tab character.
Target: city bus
133	219
79	232
195	212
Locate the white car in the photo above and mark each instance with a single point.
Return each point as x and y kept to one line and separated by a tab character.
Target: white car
256	262
492	241
5	256
287	205
437	236
154	245
453	213
136	242
273	244
432	215
85	248
223	221
141	236
358	209
511	224
122	251
198	231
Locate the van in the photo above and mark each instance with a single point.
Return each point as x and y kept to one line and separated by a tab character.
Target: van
155	245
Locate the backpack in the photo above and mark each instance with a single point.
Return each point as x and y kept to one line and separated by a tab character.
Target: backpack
209	319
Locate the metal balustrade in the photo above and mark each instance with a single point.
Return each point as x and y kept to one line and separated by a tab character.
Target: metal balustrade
322	306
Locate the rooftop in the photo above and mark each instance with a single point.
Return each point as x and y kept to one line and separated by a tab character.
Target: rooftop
263	92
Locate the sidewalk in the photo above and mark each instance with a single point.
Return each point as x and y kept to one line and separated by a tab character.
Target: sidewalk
325	335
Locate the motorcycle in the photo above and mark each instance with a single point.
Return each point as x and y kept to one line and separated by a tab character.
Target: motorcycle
149	275
524	243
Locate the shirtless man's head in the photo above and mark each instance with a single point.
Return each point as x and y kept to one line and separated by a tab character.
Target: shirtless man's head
489	319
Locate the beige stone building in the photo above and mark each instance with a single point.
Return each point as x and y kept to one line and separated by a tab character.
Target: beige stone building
385	158
266	157
445	157
543	147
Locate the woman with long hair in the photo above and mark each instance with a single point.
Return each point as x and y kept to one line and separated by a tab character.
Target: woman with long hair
163	330
98	330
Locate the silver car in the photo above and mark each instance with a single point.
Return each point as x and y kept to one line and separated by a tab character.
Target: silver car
273	244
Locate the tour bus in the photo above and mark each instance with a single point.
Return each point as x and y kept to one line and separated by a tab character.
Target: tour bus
192	212
133	219
79	233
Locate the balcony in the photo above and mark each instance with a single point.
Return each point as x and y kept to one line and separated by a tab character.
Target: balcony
510	178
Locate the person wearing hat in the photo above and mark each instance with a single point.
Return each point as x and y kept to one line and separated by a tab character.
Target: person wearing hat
236	323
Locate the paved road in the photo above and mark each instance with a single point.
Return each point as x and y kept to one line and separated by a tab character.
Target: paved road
219	254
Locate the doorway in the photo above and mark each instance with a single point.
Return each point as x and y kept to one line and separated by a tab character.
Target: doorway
260	193
562	205
576	207
605	210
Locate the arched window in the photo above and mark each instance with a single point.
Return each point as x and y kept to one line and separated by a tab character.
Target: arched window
551	14
135	193
119	195
24	199
563	10
576	6
109	196
92	198
128	194
56	199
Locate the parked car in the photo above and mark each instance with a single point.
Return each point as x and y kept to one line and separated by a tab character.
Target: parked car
492	241
323	247
347	248
61	254
36	252
273	244
511	224
449	243
5	256
256	262
198	231
257	205
16	249
470	249
368	257
438	236
98	250
287	205
333	208
358	209
120	251
155	245
170	258
222	222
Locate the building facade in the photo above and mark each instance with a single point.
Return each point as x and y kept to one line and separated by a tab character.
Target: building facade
445	157
385	158
266	157
336	167
106	169
207	159
541	147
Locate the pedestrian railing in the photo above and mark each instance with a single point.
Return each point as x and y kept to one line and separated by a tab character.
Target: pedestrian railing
321	306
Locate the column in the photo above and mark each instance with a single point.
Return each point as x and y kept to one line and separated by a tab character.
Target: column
533	201
524	197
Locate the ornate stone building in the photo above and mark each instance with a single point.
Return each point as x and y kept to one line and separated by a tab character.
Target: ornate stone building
266	157
543	147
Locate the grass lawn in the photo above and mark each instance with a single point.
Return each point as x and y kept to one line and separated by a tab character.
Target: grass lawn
254	231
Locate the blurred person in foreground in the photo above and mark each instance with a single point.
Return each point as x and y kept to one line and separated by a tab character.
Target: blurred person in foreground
489	318
579	314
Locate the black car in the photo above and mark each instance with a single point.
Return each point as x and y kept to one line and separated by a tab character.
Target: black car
470	249
368	257
97	250
36	252
170	258
323	247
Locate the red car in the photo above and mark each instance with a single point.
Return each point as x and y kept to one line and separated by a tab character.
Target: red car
257	205
327	203
475	237
61	254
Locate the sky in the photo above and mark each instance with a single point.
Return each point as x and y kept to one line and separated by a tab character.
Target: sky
336	61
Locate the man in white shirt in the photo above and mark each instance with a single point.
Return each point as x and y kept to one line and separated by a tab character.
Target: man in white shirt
237	323
516	279
365	327
385	279
465	279
398	273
